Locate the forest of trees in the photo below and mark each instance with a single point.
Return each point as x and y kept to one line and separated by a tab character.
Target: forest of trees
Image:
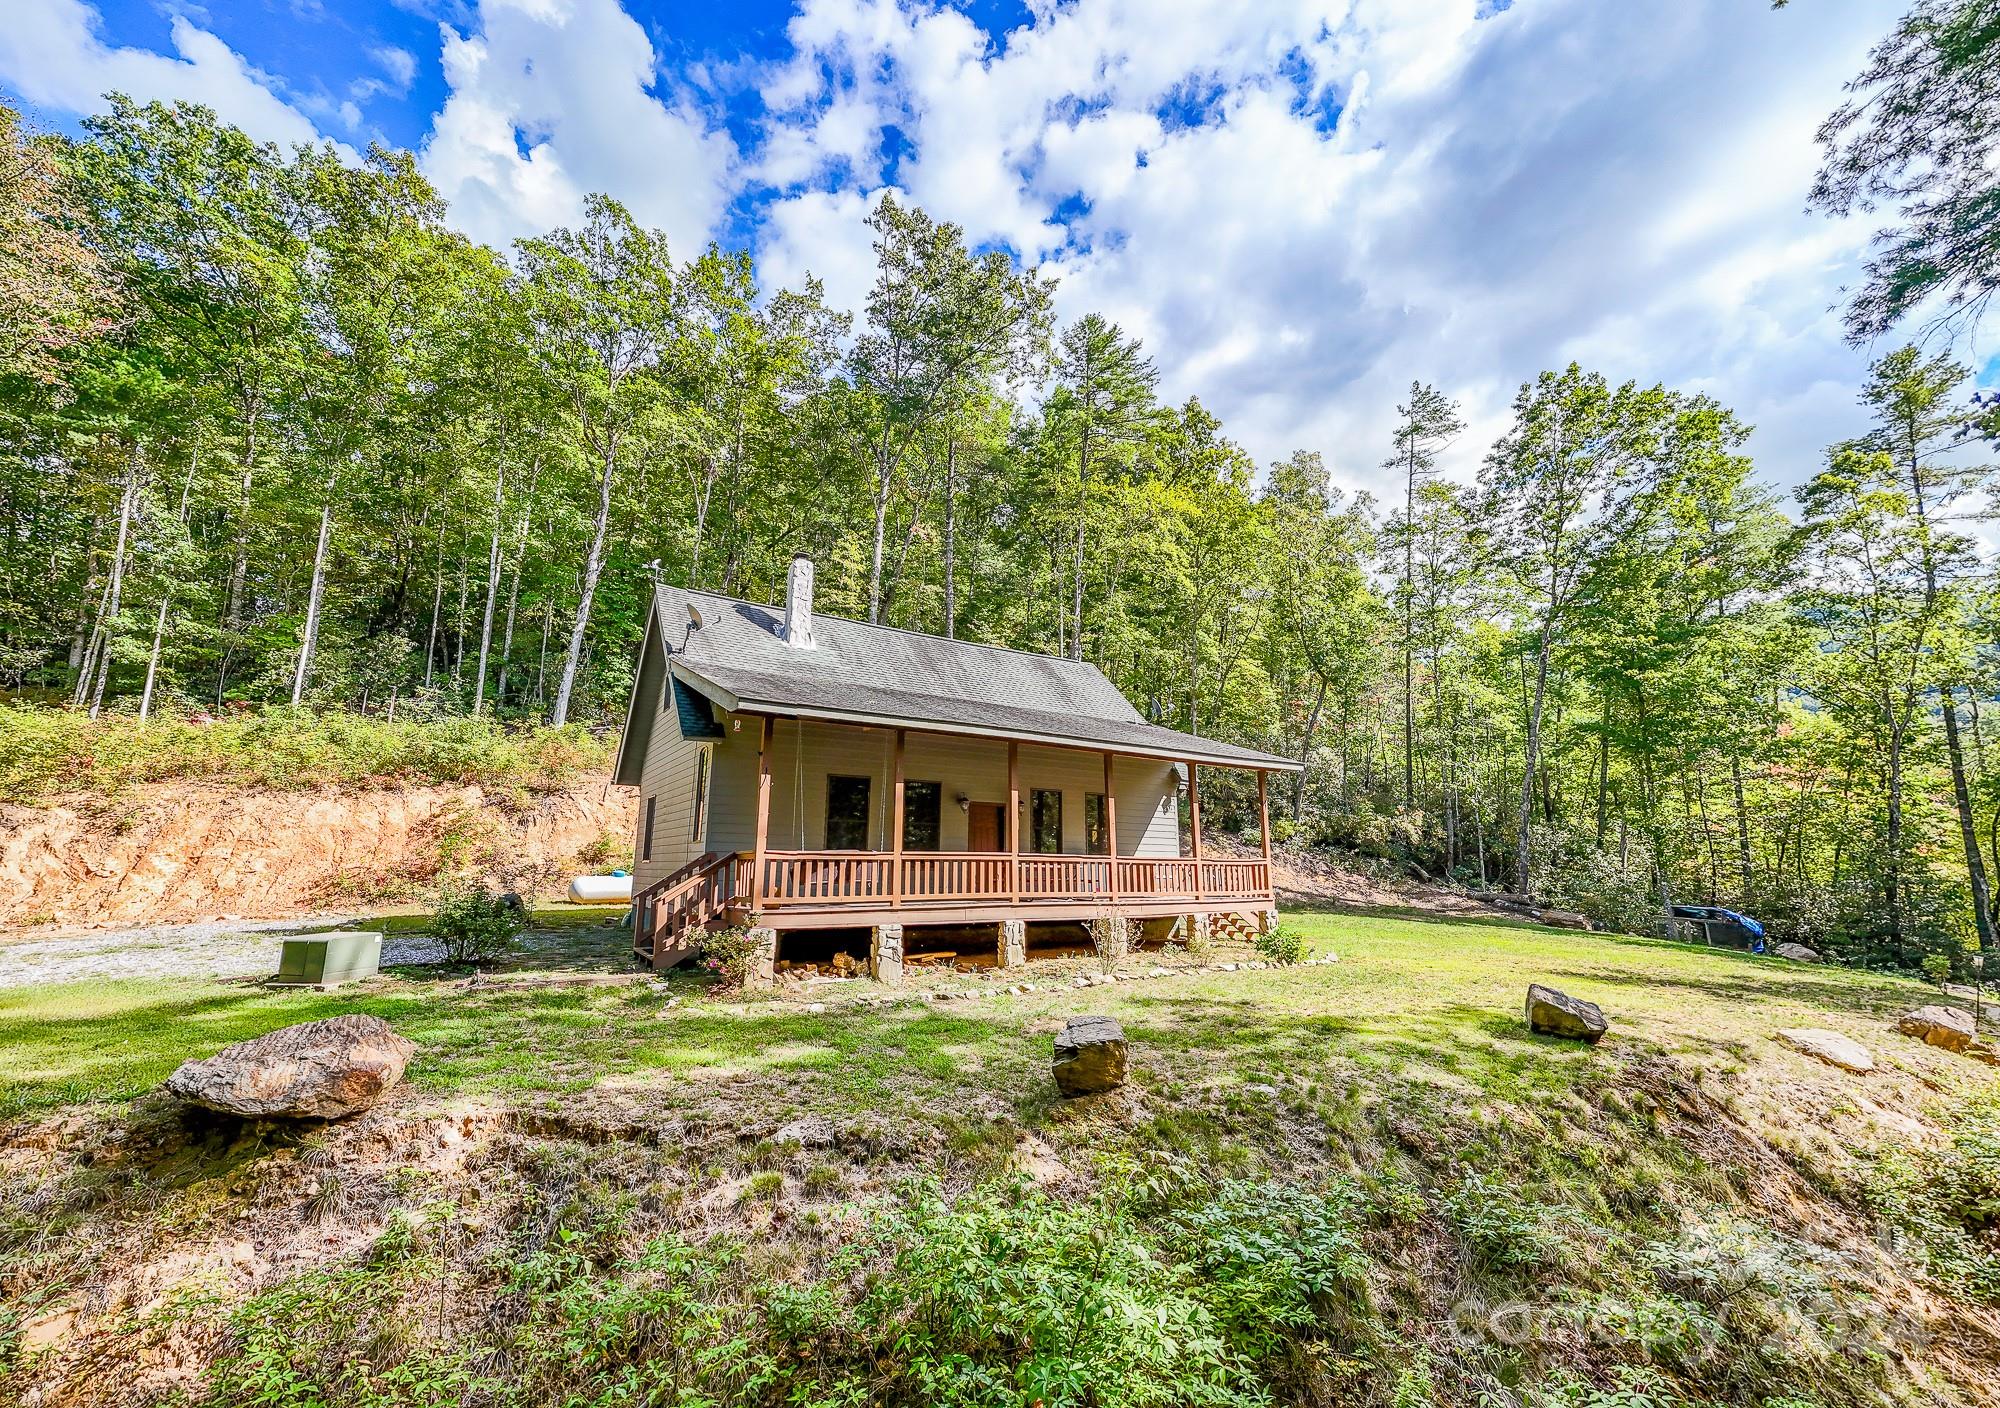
273	435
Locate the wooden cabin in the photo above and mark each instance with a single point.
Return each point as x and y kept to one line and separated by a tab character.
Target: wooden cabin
836	786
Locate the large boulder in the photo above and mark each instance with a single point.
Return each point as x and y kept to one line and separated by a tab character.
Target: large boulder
1563	919
1090	1056
1830	1047
316	1070
1798	953
1552	1013
1940	1026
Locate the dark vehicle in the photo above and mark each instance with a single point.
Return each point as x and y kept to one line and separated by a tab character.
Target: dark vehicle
1719	925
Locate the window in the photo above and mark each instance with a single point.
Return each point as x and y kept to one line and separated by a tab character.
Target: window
1045	820
847	813
700	797
921	831
1095	838
646	837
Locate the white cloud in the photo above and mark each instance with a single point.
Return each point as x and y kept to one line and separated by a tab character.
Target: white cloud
1619	184
52	55
552	100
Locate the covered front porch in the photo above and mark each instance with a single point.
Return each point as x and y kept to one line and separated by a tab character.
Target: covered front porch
1040	833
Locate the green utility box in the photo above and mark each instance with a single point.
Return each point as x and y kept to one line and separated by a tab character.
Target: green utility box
327	960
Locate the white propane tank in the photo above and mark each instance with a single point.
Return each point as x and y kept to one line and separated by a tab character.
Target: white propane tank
601	889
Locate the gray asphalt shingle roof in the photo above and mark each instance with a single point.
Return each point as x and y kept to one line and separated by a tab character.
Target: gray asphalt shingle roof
738	656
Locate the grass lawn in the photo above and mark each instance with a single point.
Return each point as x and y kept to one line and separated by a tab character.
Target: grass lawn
1418	1002
1355	1183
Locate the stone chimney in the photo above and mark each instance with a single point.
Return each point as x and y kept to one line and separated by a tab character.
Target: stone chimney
799	603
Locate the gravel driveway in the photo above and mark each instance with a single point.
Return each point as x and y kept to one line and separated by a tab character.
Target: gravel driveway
238	949
248	948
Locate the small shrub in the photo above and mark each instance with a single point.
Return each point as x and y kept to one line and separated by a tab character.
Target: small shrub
1111	936
1282	944
821	1179
475	926
1946	1202
764	1187
1503	1230
727	953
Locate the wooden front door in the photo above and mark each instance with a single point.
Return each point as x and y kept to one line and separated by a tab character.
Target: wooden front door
983	831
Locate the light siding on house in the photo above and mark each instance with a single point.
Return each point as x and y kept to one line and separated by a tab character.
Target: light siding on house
669	779
806	753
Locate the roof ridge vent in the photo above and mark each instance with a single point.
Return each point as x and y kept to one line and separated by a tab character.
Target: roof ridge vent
799	603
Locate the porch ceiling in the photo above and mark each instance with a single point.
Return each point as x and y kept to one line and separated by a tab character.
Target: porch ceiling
847	701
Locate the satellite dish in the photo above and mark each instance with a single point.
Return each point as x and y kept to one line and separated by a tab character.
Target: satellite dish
694	617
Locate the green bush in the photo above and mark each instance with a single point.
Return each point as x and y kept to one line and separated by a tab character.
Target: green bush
1945	1202
1273	1262
727	952
474	925
993	1299
1503	1230
1282	944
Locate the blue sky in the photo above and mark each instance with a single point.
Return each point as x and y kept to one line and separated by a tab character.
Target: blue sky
1300	205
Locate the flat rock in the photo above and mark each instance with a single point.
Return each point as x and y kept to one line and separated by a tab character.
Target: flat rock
1563	919
1089	1056
1798	953
1830	1047
1552	1013
1940	1026
317	1070
809	1132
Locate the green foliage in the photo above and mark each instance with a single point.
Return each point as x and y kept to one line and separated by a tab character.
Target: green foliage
1282	943
1274	1262
1946	1201
475	925
727	953
1502	1230
49	752
282	435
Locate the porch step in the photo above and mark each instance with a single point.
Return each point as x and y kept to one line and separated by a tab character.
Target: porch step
1236	928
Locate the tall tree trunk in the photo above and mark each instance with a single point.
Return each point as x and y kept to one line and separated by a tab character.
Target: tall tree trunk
128	505
1410	632
884	489
437	613
458	624
593	566
951	537
232	607
492	590
1745	861
1305	753
153	658
1082	517
513	603
1893	879
1531	753
1968	826
309	638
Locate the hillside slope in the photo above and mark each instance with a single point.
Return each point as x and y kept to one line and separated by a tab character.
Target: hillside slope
1359	1183
183	852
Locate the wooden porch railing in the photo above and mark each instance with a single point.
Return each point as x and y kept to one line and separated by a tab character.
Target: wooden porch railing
667	913
863	878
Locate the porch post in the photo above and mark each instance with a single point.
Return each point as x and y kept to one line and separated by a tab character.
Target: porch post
1111	828
1194	822
763	814
1264	824
896	830
1014	819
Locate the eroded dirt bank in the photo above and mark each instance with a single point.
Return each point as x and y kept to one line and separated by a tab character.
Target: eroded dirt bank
182	853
